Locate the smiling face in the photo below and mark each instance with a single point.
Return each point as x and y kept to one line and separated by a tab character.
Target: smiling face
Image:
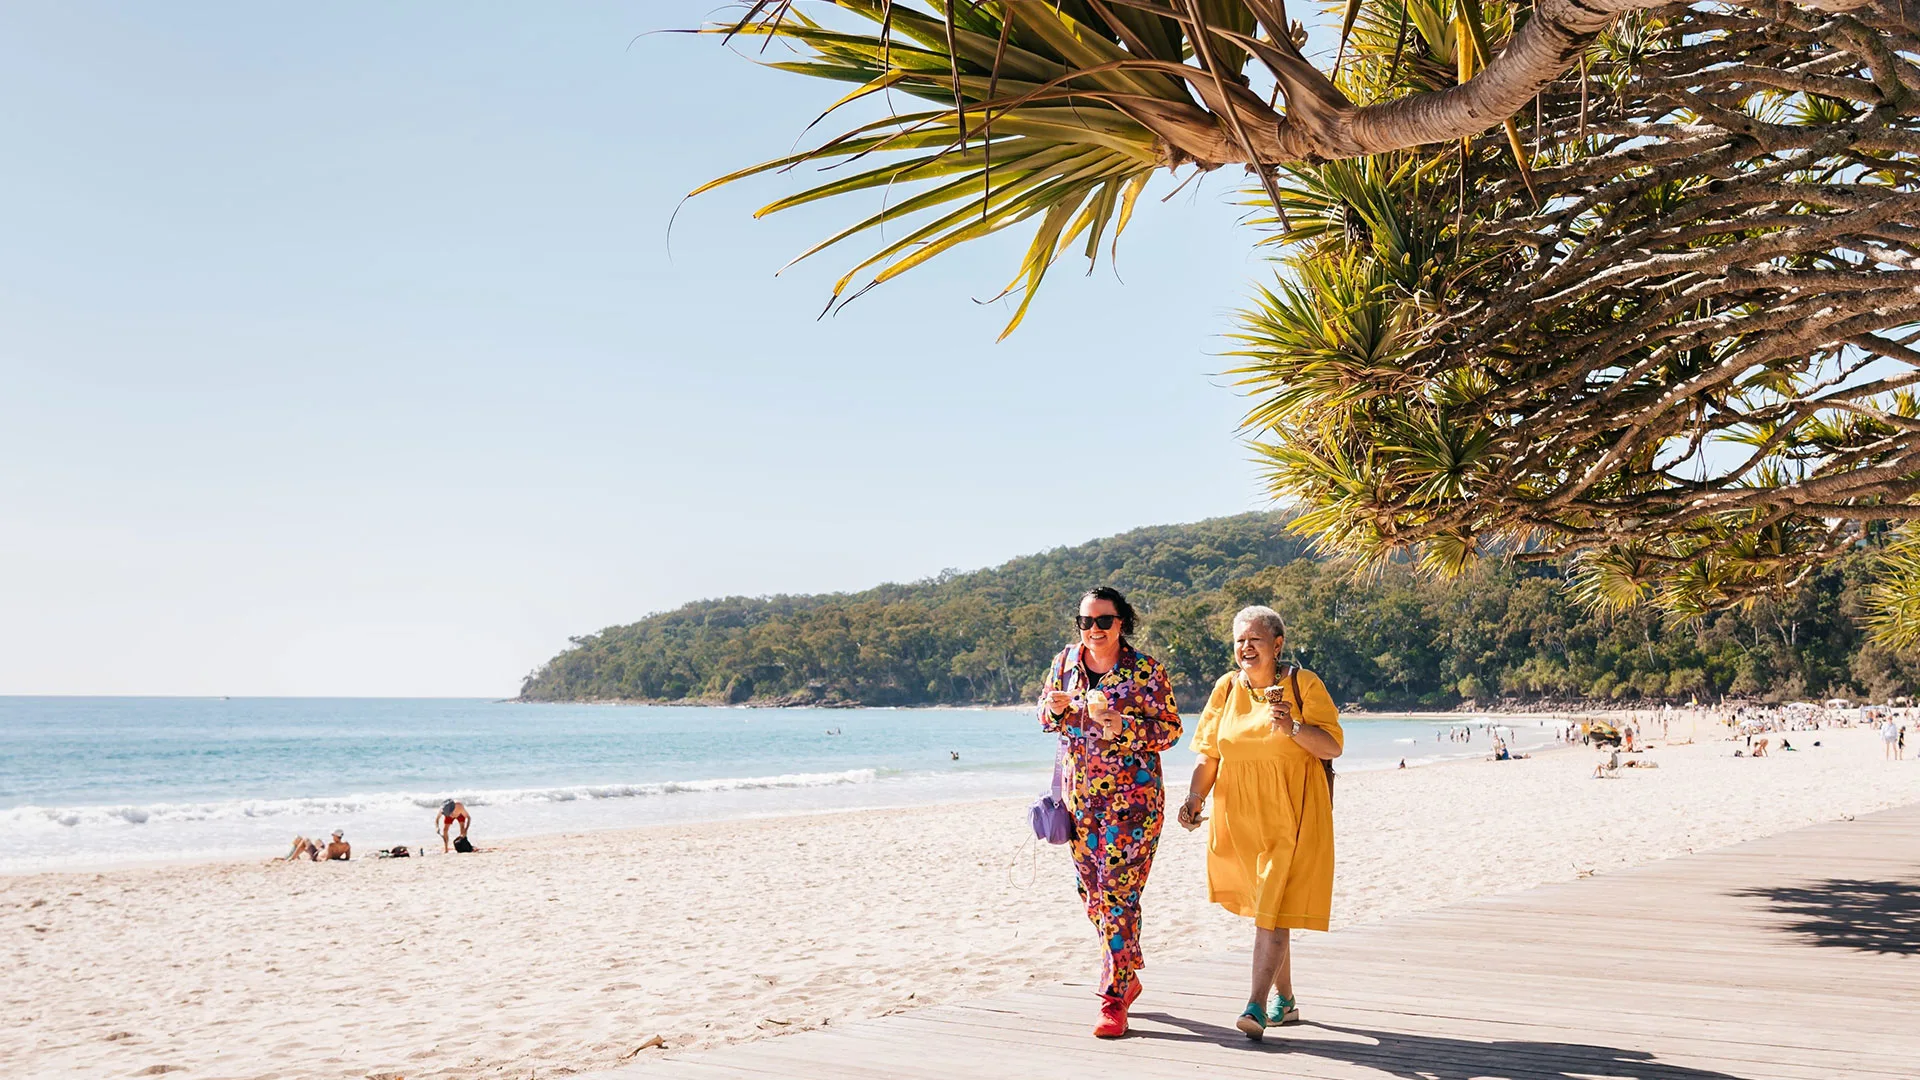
1098	640
1256	650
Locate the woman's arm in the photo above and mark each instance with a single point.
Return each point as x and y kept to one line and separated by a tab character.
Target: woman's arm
1319	717
1205	771
1049	719
1318	742
1149	720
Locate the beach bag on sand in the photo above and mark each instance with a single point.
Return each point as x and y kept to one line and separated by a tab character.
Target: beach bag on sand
1048	814
462	845
1293	680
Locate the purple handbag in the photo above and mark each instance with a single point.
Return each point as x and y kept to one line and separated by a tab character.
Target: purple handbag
1048	814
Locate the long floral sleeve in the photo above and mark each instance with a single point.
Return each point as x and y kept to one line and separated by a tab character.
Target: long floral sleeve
1048	722
1151	720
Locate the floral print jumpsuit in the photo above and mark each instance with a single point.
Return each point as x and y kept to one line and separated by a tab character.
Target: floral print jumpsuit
1113	791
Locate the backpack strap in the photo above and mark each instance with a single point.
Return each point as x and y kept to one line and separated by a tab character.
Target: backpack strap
1060	748
1293	680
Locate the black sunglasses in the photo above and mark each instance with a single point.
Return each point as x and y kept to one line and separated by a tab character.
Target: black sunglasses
1088	622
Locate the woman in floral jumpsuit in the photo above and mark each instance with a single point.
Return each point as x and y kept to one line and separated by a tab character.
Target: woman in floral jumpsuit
1113	707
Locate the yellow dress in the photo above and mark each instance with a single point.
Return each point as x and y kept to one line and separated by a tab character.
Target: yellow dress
1270	839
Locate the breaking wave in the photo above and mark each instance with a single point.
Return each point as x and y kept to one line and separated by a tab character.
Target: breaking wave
78	817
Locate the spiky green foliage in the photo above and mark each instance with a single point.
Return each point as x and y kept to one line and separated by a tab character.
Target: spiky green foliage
1027	120
1893	601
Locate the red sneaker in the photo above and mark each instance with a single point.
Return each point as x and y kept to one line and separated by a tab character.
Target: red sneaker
1113	1013
1113	1019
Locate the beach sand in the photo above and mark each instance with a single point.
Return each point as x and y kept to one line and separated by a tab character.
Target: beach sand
557	954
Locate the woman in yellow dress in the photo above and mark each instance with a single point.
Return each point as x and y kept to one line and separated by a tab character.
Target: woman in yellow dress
1264	742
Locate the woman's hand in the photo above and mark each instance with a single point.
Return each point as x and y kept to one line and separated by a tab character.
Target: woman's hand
1058	701
1189	815
1104	715
1282	711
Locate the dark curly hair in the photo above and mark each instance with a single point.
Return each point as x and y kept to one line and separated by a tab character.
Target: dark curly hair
1120	606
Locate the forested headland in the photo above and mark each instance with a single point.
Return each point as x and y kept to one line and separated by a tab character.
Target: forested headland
1501	632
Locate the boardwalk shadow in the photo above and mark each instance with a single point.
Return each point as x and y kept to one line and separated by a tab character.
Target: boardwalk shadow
1846	913
1433	1057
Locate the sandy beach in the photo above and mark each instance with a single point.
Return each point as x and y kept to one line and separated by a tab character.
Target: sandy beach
558	954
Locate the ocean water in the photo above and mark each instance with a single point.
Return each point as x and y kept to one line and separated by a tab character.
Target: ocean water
87	782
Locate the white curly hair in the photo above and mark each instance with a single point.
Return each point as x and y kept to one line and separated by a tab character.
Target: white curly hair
1262	616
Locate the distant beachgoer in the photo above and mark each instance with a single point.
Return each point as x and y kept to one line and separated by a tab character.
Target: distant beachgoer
1266	741
303	846
451	811
1403	763
1759	748
955	754
1113	707
1890	739
338	850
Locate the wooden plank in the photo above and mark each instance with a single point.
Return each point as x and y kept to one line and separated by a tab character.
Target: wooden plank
1712	1036
1631	1016
1451	1039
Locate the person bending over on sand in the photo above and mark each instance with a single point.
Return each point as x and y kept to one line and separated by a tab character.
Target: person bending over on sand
1266	741
303	846
338	850
451	811
1113	707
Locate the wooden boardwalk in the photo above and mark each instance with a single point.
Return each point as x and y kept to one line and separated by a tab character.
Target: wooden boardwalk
1795	957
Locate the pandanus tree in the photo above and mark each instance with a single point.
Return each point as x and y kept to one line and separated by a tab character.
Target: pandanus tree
1634	286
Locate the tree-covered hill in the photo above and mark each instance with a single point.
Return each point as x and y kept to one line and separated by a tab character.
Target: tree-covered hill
973	637
1394	639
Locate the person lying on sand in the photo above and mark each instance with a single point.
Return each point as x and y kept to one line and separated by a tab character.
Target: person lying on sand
303	846
338	850
451	811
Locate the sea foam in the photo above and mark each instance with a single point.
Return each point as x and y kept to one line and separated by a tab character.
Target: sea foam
53	818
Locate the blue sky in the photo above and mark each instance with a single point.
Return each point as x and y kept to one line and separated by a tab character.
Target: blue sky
344	352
